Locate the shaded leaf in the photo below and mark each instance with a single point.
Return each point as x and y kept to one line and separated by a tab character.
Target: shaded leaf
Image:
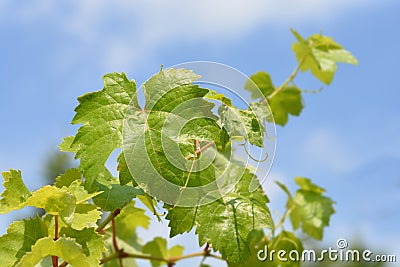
67	178
20	236
116	196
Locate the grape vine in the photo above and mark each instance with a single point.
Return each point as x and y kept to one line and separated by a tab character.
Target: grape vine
178	163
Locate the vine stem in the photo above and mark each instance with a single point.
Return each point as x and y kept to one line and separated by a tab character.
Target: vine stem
54	259
110	217
168	261
114	241
288	80
198	151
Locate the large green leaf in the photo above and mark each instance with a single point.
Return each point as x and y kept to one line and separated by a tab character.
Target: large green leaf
101	115
20	236
226	223
157	141
15	192
65	248
158	248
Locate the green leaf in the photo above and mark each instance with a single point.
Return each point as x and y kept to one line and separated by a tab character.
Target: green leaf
80	193
310	208
67	178
86	215
91	242
227	222
116	196
158	248
288	242
15	192
159	86
55	201
284	102
220	97
66	145
319	54
261	246
241	124
101	114
20	236
124	174
65	248
157	140
151	204
128	220
260	85
307	185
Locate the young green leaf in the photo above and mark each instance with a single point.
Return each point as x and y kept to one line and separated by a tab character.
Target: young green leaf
15	192
286	101
129	219
55	201
92	243
80	193
86	215
319	54
65	248
20	236
310	209
158	248
260	85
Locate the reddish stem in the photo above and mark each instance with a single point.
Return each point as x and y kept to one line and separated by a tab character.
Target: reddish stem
114	240
54	259
114	236
198	151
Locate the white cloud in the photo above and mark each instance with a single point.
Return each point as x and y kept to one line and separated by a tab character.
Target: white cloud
128	31
325	149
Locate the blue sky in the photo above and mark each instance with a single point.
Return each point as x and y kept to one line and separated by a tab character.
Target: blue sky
346	138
